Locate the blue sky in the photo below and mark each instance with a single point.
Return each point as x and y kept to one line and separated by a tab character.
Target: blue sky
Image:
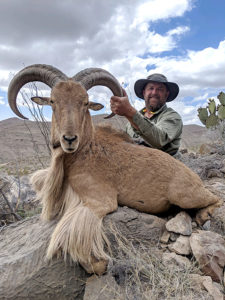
183	39
206	23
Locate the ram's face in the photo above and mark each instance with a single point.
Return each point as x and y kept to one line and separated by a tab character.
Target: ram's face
71	120
69	101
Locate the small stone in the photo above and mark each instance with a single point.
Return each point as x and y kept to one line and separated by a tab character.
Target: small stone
214	173
194	225
172	259
222	170
173	236
101	288
181	246
205	282
165	237
196	281
211	288
209	250
163	246
218	286
207	225
180	224
183	151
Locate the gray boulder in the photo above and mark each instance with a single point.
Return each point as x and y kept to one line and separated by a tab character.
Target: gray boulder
209	250
181	223
25	273
17	198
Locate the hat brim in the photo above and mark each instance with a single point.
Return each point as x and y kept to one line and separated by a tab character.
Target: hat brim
172	87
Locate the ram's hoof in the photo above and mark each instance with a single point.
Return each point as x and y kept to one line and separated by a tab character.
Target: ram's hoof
98	267
203	216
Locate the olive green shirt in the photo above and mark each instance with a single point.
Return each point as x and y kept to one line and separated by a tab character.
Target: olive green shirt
162	131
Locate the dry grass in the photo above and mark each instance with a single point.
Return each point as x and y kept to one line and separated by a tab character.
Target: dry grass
140	274
29	213
24	166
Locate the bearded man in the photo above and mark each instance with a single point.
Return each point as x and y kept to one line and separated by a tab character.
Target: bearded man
156	125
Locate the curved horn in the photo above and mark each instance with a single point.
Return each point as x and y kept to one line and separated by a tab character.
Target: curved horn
95	76
38	72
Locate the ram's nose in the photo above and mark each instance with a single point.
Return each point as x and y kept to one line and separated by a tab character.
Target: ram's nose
70	139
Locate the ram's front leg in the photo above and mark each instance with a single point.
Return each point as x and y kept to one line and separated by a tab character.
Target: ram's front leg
50	186
80	232
38	178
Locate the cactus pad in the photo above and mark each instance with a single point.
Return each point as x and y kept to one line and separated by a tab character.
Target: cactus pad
203	114
221	112
212	121
221	98
212	106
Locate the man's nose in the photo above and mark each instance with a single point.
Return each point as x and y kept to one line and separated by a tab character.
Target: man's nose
154	91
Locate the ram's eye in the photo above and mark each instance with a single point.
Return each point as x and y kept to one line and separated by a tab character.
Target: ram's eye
51	101
86	104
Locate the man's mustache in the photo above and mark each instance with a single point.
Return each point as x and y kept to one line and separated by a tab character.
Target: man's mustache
149	97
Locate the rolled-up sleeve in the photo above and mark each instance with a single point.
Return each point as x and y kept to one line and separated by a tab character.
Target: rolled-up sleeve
158	135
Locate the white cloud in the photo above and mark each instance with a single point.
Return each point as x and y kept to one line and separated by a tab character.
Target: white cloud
161	9
115	35
178	30
196	71
189	113
75	34
204	97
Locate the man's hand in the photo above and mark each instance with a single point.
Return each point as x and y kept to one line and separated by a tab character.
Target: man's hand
121	106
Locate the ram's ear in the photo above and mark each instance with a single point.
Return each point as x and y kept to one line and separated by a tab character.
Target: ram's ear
41	100
95	106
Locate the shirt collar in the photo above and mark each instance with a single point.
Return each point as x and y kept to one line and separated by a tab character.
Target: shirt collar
142	111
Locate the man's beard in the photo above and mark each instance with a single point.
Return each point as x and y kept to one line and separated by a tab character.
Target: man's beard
154	108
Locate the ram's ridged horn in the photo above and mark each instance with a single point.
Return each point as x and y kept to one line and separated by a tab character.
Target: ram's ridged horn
95	76
38	72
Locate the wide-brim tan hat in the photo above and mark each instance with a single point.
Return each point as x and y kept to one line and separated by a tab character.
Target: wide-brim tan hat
141	83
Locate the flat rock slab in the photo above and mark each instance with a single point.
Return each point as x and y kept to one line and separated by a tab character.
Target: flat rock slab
209	250
173	260
181	224
181	246
206	283
135	225
25	273
102	288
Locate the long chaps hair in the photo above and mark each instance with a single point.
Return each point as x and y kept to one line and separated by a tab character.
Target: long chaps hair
79	231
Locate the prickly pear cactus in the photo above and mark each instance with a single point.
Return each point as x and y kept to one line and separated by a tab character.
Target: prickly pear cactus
209	116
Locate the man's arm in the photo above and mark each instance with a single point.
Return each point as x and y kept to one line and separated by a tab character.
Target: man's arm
168	128
157	135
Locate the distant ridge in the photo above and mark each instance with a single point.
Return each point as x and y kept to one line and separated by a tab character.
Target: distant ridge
17	141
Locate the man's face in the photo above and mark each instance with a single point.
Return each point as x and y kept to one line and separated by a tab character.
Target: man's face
155	95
